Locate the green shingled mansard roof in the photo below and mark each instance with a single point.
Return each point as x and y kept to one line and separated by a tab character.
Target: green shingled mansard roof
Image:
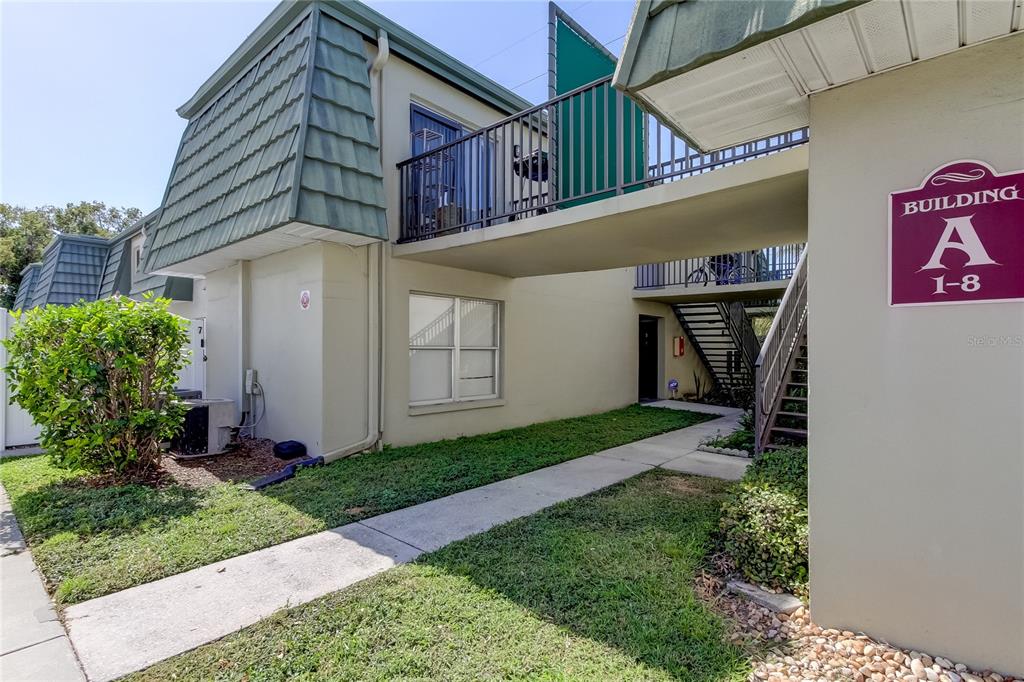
670	37
117	272
292	140
29	276
70	271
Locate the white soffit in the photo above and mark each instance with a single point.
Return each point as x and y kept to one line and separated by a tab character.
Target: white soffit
286	237
763	90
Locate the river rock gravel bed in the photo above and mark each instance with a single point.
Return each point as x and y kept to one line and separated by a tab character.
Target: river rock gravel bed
793	648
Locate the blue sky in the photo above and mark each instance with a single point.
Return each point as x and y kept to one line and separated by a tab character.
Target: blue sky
88	90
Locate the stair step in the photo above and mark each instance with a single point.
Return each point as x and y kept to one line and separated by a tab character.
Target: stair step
792	414
800	398
789	430
797	384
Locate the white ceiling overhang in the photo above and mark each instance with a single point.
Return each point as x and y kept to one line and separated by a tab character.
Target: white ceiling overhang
290	236
763	90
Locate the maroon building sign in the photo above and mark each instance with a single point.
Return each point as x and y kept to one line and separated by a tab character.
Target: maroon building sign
958	238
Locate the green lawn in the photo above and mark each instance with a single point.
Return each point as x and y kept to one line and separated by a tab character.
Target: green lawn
598	588
91	541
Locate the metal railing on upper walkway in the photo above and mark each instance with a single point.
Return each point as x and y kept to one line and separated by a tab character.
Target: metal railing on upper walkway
588	144
772	264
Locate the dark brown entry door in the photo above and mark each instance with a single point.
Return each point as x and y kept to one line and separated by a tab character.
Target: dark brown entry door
648	361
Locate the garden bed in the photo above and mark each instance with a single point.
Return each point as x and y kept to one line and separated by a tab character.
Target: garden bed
253	459
89	540
739	443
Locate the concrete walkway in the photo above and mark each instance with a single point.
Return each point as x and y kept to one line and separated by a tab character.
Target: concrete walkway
33	645
133	629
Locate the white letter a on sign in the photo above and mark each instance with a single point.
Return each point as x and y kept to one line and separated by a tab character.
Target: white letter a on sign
969	243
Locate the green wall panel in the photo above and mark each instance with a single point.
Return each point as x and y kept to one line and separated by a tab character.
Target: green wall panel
588	122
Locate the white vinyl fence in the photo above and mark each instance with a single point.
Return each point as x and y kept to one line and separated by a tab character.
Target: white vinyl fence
16	426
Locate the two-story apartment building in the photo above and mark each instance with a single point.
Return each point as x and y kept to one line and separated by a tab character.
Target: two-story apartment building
278	227
355	216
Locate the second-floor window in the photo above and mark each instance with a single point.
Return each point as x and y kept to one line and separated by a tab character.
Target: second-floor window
454	184
430	129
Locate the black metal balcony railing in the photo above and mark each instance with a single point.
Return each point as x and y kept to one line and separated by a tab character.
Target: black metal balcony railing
588	144
771	264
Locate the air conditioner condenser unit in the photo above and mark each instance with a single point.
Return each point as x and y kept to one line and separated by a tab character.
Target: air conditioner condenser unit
207	429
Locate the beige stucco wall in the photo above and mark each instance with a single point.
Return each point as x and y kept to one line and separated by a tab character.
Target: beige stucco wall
570	342
311	363
223	361
345	343
286	343
917	437
570	348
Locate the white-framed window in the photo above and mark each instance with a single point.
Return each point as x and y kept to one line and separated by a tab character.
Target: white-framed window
454	349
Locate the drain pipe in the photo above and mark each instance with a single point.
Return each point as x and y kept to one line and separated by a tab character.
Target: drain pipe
375	356
377	69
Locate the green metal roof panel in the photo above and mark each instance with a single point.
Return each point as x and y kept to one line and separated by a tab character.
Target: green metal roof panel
161	286
110	282
293	139
71	270
670	37
367	23
29	277
234	168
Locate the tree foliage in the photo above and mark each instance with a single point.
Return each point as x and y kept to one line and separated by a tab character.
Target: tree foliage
98	378
24	233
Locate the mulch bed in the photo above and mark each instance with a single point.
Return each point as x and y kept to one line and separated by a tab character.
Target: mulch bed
253	459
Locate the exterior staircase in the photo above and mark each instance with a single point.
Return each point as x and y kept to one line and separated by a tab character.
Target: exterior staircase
788	422
781	369
724	340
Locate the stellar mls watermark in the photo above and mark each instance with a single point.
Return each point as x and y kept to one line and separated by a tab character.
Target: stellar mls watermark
996	340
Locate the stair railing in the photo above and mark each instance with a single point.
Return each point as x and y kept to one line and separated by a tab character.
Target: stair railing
742	332
782	341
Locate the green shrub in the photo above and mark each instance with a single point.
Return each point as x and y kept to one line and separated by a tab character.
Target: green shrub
98	379
784	470
764	522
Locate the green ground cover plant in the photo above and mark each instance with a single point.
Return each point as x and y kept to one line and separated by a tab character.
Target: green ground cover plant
598	588
764	522
740	439
90	540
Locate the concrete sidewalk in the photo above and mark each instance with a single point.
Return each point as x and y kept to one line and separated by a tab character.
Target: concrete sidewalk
33	644
133	629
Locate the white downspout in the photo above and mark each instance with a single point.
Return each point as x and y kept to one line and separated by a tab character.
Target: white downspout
374	384
377	69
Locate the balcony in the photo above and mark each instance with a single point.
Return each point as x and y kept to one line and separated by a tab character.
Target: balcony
742	276
590	164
